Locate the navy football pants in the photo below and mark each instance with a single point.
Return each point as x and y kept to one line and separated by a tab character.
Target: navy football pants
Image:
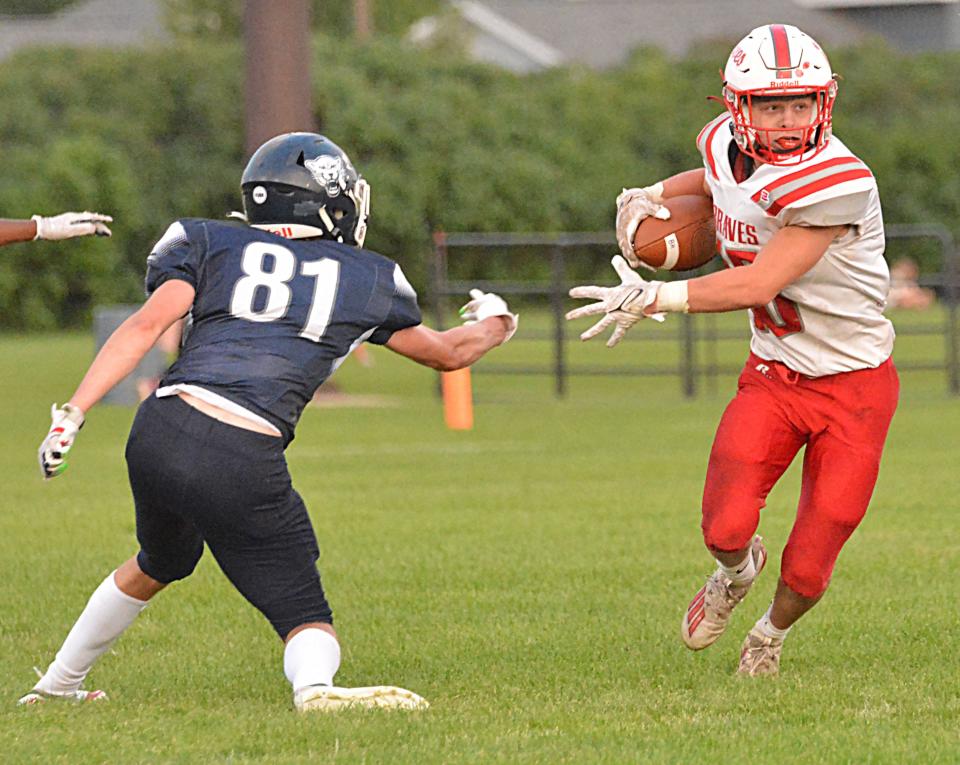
196	480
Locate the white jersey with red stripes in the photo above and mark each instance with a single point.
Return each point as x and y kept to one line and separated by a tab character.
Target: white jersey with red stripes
830	319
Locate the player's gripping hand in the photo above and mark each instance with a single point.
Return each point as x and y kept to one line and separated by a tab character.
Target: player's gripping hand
70	224
66	422
622	306
633	205
483	305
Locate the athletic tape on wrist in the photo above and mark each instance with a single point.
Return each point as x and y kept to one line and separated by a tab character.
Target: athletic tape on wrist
38	220
672	297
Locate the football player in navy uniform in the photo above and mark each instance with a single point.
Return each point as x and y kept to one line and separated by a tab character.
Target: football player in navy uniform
274	307
63	226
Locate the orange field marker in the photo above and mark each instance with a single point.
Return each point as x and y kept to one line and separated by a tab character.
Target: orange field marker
457	399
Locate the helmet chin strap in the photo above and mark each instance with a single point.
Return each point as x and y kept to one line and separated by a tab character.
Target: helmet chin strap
327	220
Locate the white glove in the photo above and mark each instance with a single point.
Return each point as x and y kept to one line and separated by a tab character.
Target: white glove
483	305
70	224
633	205
621	305
67	421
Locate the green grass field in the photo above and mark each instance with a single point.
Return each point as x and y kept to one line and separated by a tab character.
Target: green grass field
527	577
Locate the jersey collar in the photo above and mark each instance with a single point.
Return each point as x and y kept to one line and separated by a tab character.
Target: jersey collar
290	230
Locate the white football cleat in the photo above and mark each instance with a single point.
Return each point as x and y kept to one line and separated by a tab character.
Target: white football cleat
39	697
709	611
760	654
330	698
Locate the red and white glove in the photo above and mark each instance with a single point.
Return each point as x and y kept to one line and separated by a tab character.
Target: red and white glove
66	423
70	224
633	205
623	305
483	305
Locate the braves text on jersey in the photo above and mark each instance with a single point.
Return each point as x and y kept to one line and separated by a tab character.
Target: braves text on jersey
830	319
273	318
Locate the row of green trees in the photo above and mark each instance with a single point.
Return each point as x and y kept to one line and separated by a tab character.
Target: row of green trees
446	144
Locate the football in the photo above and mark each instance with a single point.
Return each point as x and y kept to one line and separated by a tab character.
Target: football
684	242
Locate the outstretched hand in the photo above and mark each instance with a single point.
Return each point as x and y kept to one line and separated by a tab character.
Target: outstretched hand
622	306
70	224
483	305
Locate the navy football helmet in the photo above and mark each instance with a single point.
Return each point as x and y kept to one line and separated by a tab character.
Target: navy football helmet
302	185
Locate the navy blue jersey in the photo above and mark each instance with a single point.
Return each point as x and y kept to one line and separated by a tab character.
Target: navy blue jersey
272	317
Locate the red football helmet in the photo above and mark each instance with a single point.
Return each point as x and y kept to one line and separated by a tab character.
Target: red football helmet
779	61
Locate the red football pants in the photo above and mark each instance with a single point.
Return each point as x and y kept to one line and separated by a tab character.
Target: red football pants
842	419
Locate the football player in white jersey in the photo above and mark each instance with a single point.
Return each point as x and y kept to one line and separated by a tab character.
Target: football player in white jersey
800	228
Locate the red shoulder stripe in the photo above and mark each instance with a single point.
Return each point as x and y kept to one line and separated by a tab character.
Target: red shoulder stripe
703	131
708	148
791	177
815	186
709	126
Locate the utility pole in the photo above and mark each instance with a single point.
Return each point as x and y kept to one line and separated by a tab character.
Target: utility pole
278	94
362	19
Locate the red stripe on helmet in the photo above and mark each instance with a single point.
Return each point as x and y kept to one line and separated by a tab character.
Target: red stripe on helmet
781	51
815	186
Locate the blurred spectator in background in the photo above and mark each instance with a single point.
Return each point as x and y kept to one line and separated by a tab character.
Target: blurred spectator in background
64	226
905	291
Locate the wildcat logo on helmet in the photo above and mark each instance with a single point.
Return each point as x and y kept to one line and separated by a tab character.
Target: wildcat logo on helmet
329	172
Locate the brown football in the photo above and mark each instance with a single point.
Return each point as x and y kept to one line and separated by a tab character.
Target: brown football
686	241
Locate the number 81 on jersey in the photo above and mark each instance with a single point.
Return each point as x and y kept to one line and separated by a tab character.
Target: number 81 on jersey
276	282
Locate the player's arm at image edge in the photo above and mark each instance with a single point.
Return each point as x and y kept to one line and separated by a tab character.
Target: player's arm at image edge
131	341
12	231
451	349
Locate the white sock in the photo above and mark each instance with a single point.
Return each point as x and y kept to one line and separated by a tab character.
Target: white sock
311	657
766	626
742	573
107	614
